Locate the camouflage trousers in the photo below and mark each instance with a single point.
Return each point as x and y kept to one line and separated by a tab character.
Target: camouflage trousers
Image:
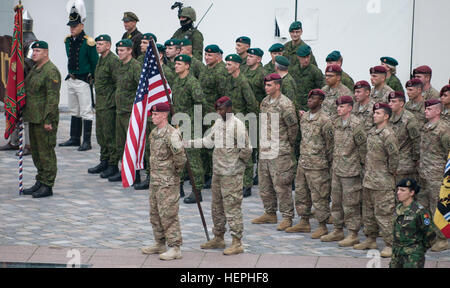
248	174
275	185
164	207
313	189
378	211
105	130
412	259
149	129
346	202
122	122
226	204
43	144
195	160
428	197
207	161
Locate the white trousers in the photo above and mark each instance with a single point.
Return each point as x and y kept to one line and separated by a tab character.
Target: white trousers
79	95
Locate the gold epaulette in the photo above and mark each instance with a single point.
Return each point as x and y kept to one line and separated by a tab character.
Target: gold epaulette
89	40
68	36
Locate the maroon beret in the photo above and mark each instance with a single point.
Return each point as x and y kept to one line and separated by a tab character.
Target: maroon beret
272	77
396	95
344	100
378	70
413	82
334	68
422	70
381	105
222	101
161	107
444	89
361	84
432	102
316	92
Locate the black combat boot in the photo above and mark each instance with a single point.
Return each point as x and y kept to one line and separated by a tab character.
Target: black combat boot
44	191
99	168
247	192
87	131
116	177
182	190
207	184
137	178
144	184
75	133
110	171
32	189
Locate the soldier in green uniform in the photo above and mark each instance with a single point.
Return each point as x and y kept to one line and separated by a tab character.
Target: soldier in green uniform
416	103
335	57
238	89
380	90
391	79
275	50
288	86
424	73
145	42
168	73
291	47
173	49
445	100
413	228
42	87
187	18
242	45
129	22
197	65
255	73
187	93
128	74
105	112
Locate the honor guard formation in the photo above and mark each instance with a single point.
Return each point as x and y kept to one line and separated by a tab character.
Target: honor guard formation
355	154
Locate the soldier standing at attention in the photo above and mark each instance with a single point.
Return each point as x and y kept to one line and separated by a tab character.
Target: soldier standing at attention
291	47
313	181
378	184
424	74
445	100
391	79
333	90
173	49
380	90
413	228
169	73
197	65
128	74
145	42
335	57
276	165
187	17
349	154
416	103
434	149
363	106
167	159
42	86
129	22
228	172
255	73
82	60
242	45
288	86
275	50
105	112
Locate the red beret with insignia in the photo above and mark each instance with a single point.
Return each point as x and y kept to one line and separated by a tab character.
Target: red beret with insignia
396	95
272	77
344	100
378	70
334	68
422	70
316	92
161	107
361	84
444	89
432	102
413	82
381	105
222	101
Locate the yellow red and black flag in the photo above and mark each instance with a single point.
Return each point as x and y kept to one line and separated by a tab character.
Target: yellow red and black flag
442	214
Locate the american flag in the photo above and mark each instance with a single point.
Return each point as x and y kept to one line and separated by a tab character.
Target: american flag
150	92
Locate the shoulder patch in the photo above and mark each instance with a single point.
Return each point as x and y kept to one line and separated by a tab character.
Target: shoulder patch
89	40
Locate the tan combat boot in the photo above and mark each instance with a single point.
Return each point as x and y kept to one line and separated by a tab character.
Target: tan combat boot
440	245
369	243
157	248
216	243
330	220
286	223
386	252
350	240
336	235
171	254
266	219
235	248
322	230
302	227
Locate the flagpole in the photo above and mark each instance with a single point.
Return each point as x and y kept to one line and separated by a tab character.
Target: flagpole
188	165
20	124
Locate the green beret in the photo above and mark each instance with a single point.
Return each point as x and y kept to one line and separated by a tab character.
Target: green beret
303	50
103	37
389	60
234	57
172	42
40	44
160	47
184	58
124	43
185	42
333	56
129	16
147	36
297	25
255	51
282	61
244	39
213	49
276	48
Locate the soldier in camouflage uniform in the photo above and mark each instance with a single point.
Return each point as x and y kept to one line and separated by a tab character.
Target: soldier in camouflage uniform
313	181
335	57
445	100
349	154
128	74
424	73
228	166
378	184
255	73
129	22
173	49
380	90
291	47
416	103
275	50
197	65
333	90
363	106
167	159
434	148
288	87
187	30
413	228
168	72
42	86
276	165
105	110
187	93
238	89
145	42
242	45
391	79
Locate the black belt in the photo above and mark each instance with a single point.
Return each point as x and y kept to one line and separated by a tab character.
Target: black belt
82	77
